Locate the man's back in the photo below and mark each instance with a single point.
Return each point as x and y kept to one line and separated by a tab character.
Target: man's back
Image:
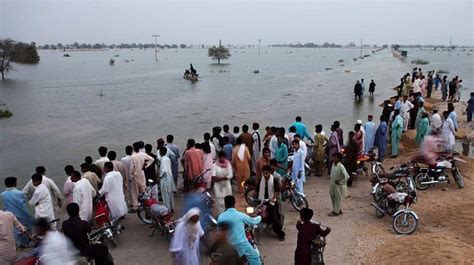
76	230
237	221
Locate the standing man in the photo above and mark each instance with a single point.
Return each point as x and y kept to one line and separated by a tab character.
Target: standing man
301	129
422	129
14	201
90	176
112	189
193	164
127	164
83	195
448	131
55	193
337	184
397	127
216	139
247	138
405	108
118	166
173	158
8	223
281	156
103	157
237	238
369	135
372	87
229	134
257	146
319	150
68	184
41	199
362	84
263	161
140	160
150	172
334	146
436	122
358	90
297	170
381	138
166	179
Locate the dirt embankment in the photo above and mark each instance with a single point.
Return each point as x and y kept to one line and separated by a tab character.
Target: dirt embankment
446	229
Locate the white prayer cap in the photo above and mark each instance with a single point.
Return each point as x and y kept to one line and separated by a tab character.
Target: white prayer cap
359	122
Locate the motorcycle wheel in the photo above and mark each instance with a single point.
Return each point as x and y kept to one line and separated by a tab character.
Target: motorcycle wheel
458	178
377	195
421	177
404	223
298	202
250	197
378	169
111	242
144	216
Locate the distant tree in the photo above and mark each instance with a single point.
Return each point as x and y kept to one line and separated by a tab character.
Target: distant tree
97	46
60	46
182	46
218	53
6	49
46	47
76	45
25	53
174	46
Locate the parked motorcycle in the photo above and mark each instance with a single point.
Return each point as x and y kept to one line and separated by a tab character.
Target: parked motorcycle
145	201
105	227
396	178
288	193
429	176
404	220
162	219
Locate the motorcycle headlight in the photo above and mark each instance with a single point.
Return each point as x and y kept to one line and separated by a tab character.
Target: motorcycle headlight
249	210
293	185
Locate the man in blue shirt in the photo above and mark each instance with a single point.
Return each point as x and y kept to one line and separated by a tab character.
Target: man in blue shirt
14	201
301	129
237	238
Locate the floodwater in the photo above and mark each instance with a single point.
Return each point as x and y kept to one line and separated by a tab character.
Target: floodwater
66	107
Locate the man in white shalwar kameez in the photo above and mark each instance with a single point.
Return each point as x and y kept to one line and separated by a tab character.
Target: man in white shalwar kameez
221	176
83	194
185	242
448	132
41	199
112	189
405	108
166	179
127	164
369	134
54	191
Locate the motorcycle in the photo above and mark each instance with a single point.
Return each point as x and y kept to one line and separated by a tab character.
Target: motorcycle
405	220
317	249
396	178
429	176
288	193
145	201
105	228
162	219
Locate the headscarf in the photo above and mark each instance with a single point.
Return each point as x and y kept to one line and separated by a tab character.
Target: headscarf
241	152
185	232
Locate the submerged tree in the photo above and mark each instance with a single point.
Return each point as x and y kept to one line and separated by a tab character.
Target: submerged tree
6	49
218	53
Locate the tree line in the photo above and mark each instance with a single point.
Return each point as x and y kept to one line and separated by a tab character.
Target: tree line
76	45
18	52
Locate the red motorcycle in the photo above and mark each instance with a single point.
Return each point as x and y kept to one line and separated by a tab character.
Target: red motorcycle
105	228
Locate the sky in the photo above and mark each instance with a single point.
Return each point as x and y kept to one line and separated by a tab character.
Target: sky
238	22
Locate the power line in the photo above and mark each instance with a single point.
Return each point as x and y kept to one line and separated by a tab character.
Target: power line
156	48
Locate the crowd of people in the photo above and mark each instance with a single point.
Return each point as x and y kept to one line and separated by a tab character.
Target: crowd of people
223	159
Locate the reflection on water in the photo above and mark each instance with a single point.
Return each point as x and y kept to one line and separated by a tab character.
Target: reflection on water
59	117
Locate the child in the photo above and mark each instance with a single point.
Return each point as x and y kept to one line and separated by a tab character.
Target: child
307	232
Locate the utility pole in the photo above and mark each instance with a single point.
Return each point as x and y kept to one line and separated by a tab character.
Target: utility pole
360	47
156	47
259	41
450	45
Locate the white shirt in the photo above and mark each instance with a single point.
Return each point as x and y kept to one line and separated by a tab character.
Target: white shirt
303	148
257	141
42	202
113	191
448	132
273	146
57	249
83	194
101	161
417	86
54	191
405	107
436	121
127	163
